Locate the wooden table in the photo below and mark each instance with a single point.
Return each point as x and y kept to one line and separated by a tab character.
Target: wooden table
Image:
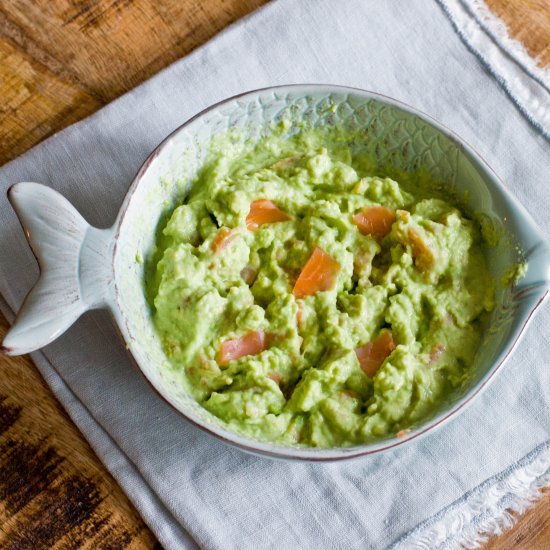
60	61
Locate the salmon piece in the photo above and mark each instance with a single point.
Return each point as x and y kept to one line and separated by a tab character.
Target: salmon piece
264	211
372	355
424	258
252	343
222	239
318	274
374	220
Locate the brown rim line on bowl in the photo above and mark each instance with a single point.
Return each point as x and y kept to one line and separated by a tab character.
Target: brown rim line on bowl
83	268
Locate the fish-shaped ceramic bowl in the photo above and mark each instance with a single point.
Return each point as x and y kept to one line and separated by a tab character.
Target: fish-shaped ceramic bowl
84	268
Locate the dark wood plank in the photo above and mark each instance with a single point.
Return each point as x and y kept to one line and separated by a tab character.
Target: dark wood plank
53	489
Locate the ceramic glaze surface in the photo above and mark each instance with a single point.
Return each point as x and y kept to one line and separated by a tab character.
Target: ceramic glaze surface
75	265
394	134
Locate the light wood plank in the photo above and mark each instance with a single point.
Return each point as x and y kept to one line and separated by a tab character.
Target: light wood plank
35	103
528	21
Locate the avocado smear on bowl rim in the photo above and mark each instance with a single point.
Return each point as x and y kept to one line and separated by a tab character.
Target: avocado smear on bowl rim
309	300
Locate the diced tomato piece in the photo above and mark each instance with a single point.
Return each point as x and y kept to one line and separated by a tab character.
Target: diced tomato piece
318	274
424	258
264	211
374	220
252	343
372	355
222	239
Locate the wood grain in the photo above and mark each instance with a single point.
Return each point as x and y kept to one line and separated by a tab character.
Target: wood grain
529	22
531	532
61	60
35	103
53	489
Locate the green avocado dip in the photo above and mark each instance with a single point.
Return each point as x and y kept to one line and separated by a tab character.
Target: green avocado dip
309	300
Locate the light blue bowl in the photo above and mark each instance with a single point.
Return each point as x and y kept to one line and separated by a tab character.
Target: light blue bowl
395	134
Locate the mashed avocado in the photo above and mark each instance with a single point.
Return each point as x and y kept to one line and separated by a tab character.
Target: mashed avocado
309	301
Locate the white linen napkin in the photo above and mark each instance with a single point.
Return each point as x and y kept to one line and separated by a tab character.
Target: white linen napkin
193	490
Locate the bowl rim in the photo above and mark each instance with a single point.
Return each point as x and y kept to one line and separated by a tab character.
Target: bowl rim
314	454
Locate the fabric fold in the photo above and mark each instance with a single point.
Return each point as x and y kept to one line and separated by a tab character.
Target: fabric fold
527	85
